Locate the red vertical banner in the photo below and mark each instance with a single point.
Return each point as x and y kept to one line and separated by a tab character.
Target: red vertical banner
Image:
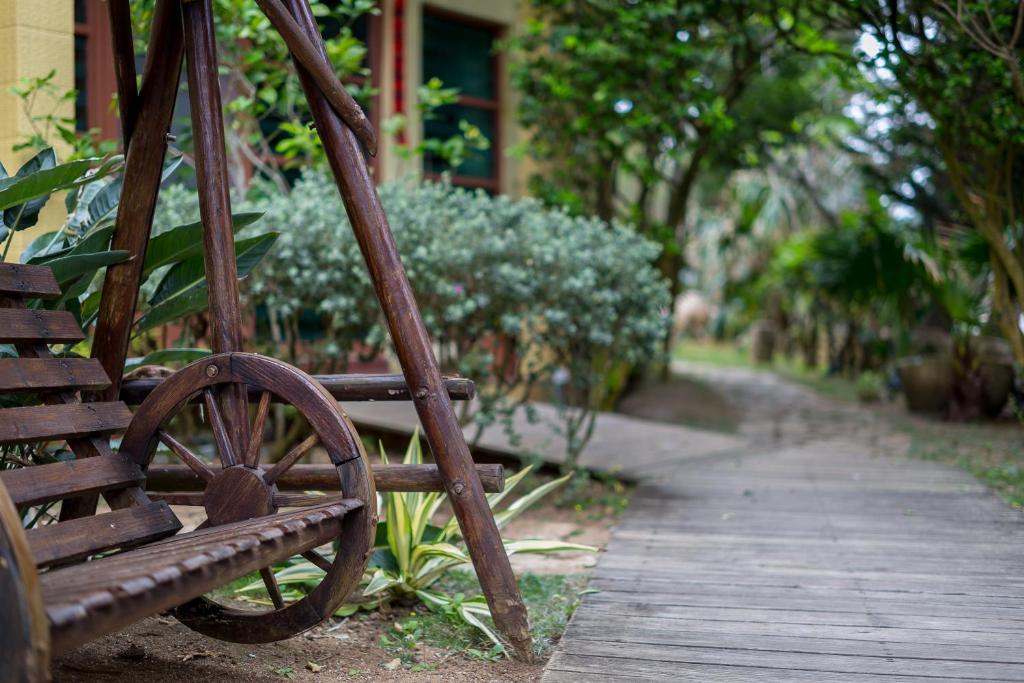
400	63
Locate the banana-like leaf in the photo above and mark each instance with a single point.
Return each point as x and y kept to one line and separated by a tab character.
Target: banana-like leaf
67	269
188	273
185	241
96	240
186	303
540	546
42	179
187	296
24	214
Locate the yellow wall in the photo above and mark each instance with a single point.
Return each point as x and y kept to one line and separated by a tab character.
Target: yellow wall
36	36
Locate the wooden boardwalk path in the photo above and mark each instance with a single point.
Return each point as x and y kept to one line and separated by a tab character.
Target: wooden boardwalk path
814	560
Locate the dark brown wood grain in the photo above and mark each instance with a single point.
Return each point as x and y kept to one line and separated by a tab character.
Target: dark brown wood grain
325	478
24	631
18	375
84	447
46	423
341	387
28	281
215	206
59	480
342	446
90	600
76	539
27	325
143	168
440	426
119	15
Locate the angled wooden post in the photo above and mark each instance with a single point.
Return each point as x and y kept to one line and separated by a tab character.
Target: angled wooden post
144	166
415	353
215	203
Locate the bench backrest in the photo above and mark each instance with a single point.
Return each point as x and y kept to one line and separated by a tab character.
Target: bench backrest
59	414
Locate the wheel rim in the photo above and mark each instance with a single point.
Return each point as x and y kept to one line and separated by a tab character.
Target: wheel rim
239	490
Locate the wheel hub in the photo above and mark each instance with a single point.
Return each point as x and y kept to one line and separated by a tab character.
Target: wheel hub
237	493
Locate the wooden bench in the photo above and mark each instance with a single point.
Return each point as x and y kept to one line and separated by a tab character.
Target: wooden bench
52	599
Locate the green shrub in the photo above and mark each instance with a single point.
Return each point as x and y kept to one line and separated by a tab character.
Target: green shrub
517	297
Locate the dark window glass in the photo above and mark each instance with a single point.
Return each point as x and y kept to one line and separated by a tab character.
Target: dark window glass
81	96
460	55
445	124
81	13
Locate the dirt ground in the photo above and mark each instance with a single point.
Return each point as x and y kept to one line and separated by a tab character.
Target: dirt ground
160	650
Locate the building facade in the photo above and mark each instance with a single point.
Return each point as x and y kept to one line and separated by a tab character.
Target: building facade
409	42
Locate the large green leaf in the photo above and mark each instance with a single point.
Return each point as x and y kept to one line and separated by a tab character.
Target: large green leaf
24	213
185	241
189	272
186	303
44	244
69	268
185	284
45	180
96	241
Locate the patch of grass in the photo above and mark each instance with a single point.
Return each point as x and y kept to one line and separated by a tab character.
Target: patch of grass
793	369
994	454
599	494
550	600
713	353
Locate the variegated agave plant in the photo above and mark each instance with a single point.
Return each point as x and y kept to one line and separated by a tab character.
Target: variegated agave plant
411	554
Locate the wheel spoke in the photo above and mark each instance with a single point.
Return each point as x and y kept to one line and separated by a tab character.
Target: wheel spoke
220	431
318	560
290	458
252	456
187	456
270	581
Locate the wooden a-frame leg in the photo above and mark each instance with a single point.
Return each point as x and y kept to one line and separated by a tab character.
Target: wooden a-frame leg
143	169
412	343
140	185
215	206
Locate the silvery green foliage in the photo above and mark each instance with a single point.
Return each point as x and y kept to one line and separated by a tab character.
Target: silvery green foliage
513	293
176	205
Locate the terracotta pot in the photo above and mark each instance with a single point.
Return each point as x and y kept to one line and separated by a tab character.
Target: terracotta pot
997	381
762	341
927	382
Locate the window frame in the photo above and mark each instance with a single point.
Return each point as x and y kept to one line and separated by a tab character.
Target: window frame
99	70
493	106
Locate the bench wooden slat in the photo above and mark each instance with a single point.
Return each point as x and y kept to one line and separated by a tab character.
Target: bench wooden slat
75	539
61	421
51	374
98	597
26	325
59	480
28	281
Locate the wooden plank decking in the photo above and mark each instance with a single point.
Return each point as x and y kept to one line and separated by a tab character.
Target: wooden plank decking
807	562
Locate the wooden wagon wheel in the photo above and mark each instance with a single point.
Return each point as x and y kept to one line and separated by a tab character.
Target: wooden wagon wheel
239	489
